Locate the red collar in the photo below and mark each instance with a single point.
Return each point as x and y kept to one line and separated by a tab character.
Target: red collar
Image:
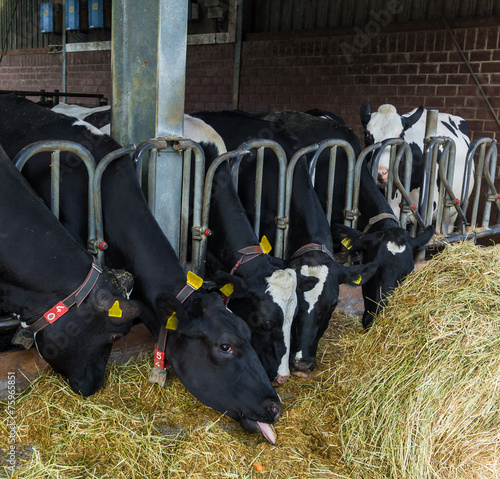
77	297
247	254
312	247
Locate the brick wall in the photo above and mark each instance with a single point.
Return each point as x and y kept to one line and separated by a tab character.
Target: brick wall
336	73
406	69
87	72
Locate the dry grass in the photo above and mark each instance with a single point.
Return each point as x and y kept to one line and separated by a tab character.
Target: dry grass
415	397
420	392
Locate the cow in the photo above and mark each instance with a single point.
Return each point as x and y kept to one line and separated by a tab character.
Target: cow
388	123
263	292
310	241
210	348
380	239
64	298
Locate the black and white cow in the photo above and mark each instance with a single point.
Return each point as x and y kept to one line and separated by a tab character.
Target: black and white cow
310	242
264	294
380	240
388	123
62	296
210	350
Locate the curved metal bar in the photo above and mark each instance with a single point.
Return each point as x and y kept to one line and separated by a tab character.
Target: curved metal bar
198	236
281	220
334	144
71	147
143	148
97	199
289	182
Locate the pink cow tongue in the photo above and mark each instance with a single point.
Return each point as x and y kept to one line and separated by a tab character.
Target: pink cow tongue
267	431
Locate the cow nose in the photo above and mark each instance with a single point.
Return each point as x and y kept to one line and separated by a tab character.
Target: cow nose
383	175
303	365
275	408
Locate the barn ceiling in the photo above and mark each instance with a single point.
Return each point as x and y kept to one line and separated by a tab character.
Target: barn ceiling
287	15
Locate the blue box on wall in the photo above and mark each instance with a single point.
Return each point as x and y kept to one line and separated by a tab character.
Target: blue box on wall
96	13
50	17
72	15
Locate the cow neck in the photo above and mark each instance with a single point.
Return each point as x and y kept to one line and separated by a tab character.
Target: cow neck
308	224
160	361
46	273
234	242
143	248
75	298
381	222
372	202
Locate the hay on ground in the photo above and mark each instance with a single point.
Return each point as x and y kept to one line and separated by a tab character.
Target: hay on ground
415	397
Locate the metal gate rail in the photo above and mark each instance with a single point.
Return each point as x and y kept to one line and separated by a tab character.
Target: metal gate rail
399	151
281	218
486	166
318	148
152	147
55	148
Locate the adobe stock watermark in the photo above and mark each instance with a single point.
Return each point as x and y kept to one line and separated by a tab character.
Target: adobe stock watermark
363	37
11	422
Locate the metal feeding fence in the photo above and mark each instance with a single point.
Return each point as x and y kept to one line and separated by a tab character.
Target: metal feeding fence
477	211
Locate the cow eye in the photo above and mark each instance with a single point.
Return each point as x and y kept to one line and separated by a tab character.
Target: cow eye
225	348
116	337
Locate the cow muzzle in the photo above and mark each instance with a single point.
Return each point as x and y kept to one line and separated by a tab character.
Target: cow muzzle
303	366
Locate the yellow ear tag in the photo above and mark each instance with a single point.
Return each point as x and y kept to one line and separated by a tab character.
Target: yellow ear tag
346	242
358	280
227	290
172	322
193	280
115	310
265	245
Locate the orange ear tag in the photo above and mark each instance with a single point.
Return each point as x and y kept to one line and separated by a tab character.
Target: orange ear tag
227	290
172	322
265	245
115	310
194	280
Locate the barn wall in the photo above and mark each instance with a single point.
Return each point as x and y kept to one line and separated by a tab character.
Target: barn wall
336	73
339	73
87	72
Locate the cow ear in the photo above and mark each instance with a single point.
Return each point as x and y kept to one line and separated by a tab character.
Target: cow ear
365	113
240	286
344	235
167	305
120	310
424	237
409	121
359	274
307	282
367	242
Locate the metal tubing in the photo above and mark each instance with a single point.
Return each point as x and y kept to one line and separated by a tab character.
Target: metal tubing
198	233
55	174
351	159
281	220
68	146
259	172
97	198
207	193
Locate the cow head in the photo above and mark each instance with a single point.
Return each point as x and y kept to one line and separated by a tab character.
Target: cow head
211	353
392	250
318	280
384	124
267	301
79	343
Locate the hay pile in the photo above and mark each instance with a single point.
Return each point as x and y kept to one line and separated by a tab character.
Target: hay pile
416	397
421	391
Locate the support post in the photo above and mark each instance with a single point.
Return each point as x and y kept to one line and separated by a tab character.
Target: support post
148	68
